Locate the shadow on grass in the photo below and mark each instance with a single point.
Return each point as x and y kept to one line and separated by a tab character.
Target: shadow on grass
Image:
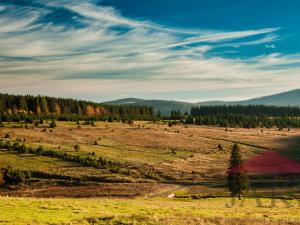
289	147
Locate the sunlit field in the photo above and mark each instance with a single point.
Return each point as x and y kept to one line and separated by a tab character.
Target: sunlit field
146	211
164	175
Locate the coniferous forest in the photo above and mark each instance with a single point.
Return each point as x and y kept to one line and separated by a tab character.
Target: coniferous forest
29	108
248	116
18	107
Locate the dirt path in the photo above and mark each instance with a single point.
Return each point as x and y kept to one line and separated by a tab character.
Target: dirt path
165	192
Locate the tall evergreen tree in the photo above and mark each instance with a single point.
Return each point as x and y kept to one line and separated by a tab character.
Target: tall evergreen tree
22	104
44	105
238	181
158	115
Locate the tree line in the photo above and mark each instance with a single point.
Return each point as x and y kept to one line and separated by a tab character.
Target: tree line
250	116
20	107
250	110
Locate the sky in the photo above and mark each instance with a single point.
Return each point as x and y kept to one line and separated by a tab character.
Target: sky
188	50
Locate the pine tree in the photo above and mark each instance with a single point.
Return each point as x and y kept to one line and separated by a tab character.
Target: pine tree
44	105
238	181
158	115
22	104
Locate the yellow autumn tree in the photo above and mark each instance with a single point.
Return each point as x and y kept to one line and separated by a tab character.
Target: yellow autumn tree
57	109
90	111
99	111
38	110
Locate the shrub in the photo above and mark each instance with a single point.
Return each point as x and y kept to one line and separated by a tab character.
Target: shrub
11	176
39	151
1	177
90	160
16	146
7	135
76	147
52	124
23	149
220	147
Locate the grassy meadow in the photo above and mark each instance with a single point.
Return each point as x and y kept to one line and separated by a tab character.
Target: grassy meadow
144	211
165	175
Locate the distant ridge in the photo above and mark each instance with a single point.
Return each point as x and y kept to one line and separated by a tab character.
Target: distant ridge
164	106
290	98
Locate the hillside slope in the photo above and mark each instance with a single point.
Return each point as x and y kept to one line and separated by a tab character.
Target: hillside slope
291	98
164	106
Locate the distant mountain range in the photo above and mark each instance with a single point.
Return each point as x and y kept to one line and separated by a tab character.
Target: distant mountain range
291	98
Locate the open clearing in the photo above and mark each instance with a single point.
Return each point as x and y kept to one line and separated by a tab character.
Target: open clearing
182	162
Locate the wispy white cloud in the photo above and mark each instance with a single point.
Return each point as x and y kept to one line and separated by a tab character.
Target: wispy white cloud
117	55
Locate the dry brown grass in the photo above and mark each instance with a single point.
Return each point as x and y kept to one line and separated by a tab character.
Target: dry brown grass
182	154
120	190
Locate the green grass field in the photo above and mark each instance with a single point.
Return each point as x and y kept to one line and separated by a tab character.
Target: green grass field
145	211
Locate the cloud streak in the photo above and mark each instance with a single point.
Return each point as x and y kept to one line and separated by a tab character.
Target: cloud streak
117	54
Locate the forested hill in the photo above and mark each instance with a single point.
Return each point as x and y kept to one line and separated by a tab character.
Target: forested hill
247	116
291	98
246	110
20	105
165	107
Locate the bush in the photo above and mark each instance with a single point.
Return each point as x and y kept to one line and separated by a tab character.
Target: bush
23	149
39	151
16	177
220	147
52	124
1	178
36	123
7	135
90	160
76	147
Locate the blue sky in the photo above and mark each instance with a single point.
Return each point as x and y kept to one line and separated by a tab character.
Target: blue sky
192	50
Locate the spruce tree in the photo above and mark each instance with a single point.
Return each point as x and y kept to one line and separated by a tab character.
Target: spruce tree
238	181
158	115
